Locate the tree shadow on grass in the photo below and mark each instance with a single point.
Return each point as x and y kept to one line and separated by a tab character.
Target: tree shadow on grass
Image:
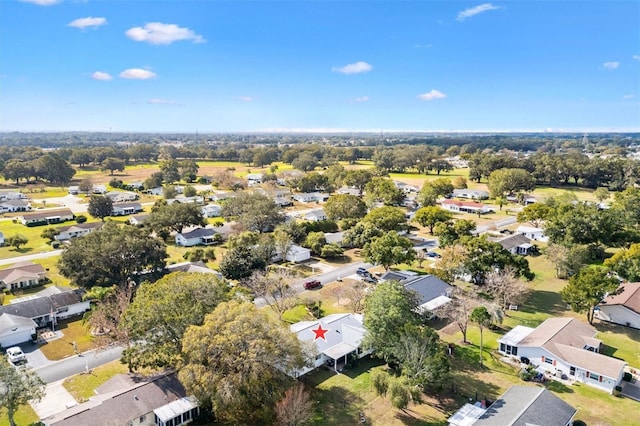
558	387
336	405
408	417
542	301
23	250
604	327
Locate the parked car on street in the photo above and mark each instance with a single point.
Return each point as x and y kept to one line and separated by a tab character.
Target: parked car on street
362	272
312	284
433	254
16	355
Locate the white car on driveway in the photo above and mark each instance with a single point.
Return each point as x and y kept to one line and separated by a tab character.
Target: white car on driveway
16	355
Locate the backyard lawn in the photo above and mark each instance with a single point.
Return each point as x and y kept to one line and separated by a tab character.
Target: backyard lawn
24	417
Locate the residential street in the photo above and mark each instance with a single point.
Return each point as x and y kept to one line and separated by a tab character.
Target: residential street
324	278
29	257
78	364
497	224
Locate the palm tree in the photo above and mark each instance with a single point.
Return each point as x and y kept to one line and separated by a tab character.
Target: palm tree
482	318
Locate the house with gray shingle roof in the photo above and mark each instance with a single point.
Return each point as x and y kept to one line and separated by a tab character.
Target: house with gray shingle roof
197	237
518	406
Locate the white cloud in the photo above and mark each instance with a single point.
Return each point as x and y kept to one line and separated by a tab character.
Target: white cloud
362	99
246	98
611	65
636	57
137	74
102	76
159	33
42	2
631	96
355	68
158	101
473	11
433	94
87	22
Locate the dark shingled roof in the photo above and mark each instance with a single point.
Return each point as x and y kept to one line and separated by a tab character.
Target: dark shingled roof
31	308
526	406
117	408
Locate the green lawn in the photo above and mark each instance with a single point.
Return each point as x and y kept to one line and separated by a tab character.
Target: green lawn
25	416
74	331
82	386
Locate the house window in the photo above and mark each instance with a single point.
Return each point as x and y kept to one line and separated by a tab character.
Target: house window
503	347
548	360
595	377
572	371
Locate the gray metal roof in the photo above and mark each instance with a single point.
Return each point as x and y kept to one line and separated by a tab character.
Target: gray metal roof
199	233
428	287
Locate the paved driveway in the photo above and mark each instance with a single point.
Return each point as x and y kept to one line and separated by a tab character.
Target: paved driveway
631	389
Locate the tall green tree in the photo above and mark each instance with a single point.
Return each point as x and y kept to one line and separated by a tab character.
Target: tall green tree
240	262
112	164
506	181
626	263
161	312
18	386
587	288
422	357
112	255
388	250
387	311
175	217
481	317
383	190
17	241
432	215
237	360
361	234
386	218
255	211
100	207
358	179
54	169
345	206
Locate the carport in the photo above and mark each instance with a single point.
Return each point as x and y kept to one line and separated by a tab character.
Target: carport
338	351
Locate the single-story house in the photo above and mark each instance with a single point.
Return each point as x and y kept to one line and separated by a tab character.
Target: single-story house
138	219
465	207
254	178
211	210
160	400
136	185
48	306
283	201
408	189
431	290
197	237
330	340
11	206
516	244
564	347
471	194
15	330
518	406
528	199
315	215
1	239
295	254
193	267
622	307
74	190
98	189
22	275
77	230
221	195
311	197
121	196
12	195
47	217
186	200
532	233
158	191
348	190
334	237
123	209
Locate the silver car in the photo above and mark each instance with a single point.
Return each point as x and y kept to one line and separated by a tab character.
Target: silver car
16	355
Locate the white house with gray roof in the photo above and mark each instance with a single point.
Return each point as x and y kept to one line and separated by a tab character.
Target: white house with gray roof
431	290
564	347
343	337
197	237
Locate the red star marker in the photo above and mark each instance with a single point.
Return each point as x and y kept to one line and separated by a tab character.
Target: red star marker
320	332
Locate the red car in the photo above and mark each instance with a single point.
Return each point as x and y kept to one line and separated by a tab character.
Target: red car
312	284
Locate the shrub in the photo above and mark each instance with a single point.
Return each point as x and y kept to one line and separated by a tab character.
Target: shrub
528	374
627	376
400	395
115	183
81	218
2	298
55	244
380	381
330	251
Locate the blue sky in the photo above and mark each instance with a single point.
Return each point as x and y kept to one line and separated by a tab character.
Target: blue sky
221	66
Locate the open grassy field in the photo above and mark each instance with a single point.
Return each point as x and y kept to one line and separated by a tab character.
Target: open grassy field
24	417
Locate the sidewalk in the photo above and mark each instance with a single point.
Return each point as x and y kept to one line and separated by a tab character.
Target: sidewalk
55	401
